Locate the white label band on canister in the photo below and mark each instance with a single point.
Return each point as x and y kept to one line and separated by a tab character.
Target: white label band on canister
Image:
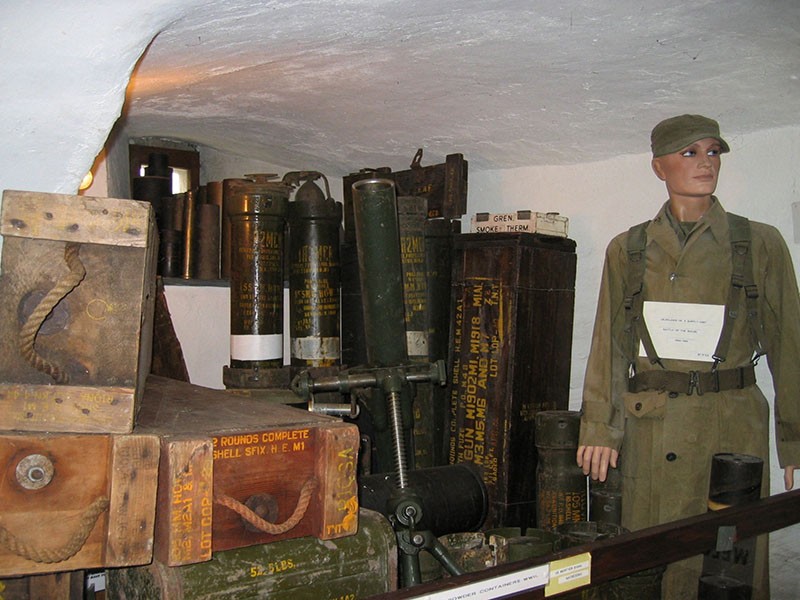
257	347
315	348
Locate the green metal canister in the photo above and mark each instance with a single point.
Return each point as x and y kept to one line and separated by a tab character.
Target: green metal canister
560	483
605	497
257	209
314	275
380	267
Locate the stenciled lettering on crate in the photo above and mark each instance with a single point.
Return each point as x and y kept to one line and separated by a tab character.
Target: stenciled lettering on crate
511	341
238	471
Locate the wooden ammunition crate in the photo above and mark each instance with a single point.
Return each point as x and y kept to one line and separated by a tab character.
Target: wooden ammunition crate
83	369
513	301
76	501
222	453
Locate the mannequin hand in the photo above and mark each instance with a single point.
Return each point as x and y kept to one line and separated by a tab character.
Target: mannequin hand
594	460
788	476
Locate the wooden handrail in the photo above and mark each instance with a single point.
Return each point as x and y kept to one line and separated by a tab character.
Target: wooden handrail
644	549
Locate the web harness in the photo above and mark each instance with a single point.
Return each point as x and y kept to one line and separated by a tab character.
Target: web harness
742	284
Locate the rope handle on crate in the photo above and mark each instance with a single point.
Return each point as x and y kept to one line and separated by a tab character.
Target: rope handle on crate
267	527
87	522
30	329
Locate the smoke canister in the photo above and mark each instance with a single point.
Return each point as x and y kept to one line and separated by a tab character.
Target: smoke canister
560	483
257	211
314	277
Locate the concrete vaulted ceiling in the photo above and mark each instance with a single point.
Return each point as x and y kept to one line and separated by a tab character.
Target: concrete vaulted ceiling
339	85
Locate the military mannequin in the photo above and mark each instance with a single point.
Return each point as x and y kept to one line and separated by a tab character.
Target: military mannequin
666	406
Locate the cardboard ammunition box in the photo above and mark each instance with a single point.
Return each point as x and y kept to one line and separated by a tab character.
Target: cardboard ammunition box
522	221
513	300
355	567
73	501
225	455
76	320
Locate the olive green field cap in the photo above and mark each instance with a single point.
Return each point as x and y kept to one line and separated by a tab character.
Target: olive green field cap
676	133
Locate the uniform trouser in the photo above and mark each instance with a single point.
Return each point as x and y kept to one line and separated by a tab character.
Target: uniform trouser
666	464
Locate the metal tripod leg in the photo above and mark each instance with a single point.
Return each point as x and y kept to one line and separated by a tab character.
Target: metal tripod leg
405	510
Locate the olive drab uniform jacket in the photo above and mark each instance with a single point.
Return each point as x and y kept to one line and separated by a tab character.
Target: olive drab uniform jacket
666	438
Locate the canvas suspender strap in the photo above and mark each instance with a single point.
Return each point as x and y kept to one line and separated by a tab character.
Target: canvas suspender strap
742	281
635	327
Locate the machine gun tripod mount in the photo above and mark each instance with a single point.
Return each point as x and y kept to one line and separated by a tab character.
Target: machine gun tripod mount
389	375
405	507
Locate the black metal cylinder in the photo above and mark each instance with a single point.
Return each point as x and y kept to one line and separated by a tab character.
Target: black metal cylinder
378	235
454	497
153	190
257	210
561	495
728	573
170	253
314	279
735	479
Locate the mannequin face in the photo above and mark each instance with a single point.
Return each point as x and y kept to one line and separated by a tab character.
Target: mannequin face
690	173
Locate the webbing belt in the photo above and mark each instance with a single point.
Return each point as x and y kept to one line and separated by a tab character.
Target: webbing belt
691	382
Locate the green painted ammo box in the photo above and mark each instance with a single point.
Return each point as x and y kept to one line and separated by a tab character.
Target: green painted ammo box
348	568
